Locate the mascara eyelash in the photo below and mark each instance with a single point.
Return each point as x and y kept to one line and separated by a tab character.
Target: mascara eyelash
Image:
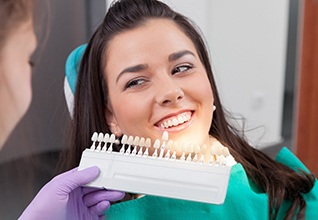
31	63
188	66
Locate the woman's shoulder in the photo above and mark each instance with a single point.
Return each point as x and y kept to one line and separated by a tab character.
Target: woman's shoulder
286	157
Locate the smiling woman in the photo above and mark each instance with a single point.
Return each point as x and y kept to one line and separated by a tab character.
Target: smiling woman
146	70
157	83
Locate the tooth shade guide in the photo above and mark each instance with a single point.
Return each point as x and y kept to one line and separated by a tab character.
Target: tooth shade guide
190	150
184	149
99	139
129	142
141	145
225	151
156	145
135	174
94	140
215	154
135	143
105	140
123	141
161	177
147	146
165	136
111	140
170	147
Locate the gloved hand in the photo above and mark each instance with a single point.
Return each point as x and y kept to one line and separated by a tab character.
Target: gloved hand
64	198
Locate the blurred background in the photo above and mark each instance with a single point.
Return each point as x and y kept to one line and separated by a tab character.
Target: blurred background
263	57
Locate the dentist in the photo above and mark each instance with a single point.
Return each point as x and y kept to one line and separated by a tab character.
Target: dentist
63	197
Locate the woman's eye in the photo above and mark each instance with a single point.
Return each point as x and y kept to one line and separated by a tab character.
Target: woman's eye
183	68
135	82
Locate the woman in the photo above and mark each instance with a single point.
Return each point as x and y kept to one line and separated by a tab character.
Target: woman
63	197
145	66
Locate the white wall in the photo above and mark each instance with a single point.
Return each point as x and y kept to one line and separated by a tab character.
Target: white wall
247	42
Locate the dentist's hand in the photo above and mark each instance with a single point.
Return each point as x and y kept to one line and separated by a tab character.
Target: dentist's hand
64	198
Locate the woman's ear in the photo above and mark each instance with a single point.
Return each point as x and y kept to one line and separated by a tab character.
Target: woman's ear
112	122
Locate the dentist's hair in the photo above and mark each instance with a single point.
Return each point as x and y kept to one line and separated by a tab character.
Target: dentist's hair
91	97
12	14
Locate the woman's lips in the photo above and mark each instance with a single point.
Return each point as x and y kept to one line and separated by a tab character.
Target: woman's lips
175	121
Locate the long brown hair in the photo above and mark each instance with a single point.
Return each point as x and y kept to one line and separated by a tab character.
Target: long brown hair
277	180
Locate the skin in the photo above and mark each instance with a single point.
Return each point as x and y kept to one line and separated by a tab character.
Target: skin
153	78
15	77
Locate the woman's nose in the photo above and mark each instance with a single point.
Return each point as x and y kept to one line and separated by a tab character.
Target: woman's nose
169	94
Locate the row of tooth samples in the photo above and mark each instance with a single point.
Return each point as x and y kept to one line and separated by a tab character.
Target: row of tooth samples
102	141
138	146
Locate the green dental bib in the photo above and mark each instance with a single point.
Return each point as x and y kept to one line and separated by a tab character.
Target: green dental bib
243	201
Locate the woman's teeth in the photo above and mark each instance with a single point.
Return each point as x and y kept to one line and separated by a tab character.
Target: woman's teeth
176	120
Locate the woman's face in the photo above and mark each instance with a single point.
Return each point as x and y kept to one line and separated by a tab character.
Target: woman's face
157	83
15	75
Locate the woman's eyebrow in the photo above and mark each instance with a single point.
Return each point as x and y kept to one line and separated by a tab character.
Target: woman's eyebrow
177	55
141	67
132	69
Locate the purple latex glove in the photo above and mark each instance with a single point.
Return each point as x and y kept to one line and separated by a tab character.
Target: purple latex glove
64	198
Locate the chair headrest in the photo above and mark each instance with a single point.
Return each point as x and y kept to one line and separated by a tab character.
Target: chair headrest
71	69
72	65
